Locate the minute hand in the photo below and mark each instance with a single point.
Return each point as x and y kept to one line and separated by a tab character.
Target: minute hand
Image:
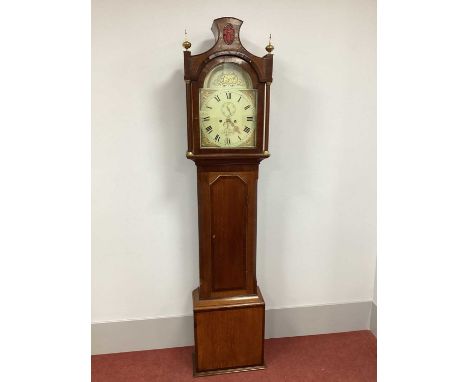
235	127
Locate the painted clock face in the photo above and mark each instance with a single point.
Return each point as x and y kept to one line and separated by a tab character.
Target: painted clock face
227	119
228	109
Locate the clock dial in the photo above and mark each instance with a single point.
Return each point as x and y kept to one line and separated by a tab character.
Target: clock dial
228	118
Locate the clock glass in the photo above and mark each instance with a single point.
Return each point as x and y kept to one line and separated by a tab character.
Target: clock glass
228	108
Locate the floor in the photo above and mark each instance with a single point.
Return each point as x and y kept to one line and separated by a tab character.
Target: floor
340	357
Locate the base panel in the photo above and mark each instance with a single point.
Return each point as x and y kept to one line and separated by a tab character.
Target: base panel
229	334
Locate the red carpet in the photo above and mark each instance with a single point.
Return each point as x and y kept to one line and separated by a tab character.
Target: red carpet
341	357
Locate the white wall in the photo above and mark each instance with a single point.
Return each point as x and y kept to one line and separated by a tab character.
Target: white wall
316	206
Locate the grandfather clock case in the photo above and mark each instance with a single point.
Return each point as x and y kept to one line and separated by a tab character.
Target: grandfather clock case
227	95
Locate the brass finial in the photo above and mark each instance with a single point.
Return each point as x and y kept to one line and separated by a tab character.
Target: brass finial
269	48
186	44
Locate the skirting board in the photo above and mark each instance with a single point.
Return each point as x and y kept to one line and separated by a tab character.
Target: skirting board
159	333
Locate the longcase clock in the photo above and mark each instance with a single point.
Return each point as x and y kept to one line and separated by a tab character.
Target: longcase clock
228	91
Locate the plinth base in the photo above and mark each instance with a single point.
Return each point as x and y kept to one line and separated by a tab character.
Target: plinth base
229	334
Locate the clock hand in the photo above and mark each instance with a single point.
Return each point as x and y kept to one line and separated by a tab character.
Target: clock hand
229	122
235	127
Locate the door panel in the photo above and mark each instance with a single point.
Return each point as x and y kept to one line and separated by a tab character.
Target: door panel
227	230
229	197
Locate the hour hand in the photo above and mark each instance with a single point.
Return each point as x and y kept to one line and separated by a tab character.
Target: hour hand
235	128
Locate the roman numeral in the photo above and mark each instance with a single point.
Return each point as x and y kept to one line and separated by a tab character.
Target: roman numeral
228	95
249	118
217	138
228	141
247	129
217	98
209	107
239	98
245	108
209	129
240	139
206	118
